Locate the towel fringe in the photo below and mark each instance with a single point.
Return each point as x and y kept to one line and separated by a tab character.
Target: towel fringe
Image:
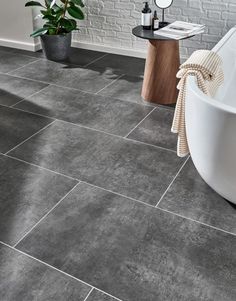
206	66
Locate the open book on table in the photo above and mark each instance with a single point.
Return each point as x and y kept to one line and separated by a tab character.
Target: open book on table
179	30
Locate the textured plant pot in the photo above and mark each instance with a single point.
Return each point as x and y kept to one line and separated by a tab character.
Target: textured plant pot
56	47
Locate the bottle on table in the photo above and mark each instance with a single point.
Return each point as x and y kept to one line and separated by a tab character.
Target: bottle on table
155	21
146	19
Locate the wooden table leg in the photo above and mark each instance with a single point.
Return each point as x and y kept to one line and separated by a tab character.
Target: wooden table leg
162	64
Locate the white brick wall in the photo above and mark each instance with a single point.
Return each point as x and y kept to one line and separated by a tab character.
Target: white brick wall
109	22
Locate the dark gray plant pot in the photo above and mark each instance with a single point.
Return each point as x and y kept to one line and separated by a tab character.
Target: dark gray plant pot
56	47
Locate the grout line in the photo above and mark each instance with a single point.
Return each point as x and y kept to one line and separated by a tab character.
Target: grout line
76	179
63	121
89	128
172	181
114	135
46	83
196	221
112	82
145	103
30	137
30	79
139	123
27	97
42	218
56	269
29	112
75	89
95	60
64	64
121	195
36	60
117	193
148	144
38	166
86	298
158	208
70	88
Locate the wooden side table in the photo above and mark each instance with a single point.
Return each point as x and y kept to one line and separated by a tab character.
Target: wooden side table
162	64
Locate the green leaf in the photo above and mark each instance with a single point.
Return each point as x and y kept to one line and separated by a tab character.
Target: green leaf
78	2
75	12
49	25
46	12
33	3
39	32
50	17
58	9
73	22
52	31
65	23
68	24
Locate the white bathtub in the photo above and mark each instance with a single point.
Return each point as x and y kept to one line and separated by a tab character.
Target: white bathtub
211	125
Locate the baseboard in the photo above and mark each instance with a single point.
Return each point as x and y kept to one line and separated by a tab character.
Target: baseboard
109	49
20	45
103	48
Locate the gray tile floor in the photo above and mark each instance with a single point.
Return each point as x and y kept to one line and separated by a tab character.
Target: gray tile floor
94	204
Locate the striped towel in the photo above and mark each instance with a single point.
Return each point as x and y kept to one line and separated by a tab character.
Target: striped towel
206	66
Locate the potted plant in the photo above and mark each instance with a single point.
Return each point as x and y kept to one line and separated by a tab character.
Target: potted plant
56	32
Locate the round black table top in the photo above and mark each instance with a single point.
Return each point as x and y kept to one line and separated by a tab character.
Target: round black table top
139	32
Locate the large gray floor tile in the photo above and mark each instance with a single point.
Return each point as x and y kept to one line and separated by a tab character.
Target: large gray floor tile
16	126
37	54
99	112
77	56
156	129
83	57
133	169
10	61
121	64
27	194
25	279
133	251
65	75
7	49
99	296
190	196
13	89
126	88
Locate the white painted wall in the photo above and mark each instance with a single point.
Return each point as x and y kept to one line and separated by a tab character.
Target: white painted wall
16	25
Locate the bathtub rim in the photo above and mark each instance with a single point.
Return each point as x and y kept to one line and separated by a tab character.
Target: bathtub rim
193	87
225	38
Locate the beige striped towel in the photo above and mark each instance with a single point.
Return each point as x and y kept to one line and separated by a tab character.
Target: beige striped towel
206	66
